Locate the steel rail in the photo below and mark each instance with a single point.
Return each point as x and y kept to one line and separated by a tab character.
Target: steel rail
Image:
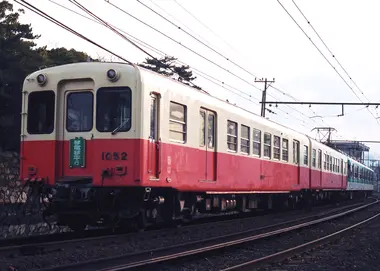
220	245
149	257
34	242
297	249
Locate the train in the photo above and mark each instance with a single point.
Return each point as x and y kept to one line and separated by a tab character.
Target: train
115	144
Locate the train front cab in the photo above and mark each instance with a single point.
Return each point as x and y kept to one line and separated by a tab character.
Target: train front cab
80	137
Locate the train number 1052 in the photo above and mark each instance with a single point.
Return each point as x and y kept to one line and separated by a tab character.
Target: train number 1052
114	156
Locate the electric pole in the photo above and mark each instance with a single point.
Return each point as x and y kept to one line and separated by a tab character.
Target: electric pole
264	97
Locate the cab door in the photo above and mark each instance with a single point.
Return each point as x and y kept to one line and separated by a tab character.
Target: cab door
296	159
207	145
210	147
77	131
153	143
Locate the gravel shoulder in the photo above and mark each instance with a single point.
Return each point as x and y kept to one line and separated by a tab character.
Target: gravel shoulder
358	250
243	253
121	245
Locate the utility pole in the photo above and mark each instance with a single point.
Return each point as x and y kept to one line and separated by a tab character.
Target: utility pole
264	97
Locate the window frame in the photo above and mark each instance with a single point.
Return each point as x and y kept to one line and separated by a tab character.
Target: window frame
92	111
229	122
54	112
256	142
285	149
268	145
306	155
277	148
184	123
314	158
129	90
248	144
202	144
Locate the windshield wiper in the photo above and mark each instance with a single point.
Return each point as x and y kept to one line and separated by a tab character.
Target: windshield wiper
114	132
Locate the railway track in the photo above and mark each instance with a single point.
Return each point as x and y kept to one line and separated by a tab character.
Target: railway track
146	259
296	249
98	234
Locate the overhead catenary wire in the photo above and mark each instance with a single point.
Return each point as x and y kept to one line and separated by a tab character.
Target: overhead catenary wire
198	40
184	46
202	74
319	50
271	86
177	26
51	19
332	54
44	15
108	25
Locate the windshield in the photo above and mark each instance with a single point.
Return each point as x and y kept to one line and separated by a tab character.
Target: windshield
79	111
113	110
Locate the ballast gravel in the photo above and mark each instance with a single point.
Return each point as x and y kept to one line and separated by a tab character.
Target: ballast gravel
125	244
358	250
231	256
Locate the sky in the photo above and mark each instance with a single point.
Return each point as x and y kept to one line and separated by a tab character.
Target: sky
261	39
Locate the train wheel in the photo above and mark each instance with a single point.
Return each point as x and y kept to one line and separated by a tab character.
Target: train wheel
139	223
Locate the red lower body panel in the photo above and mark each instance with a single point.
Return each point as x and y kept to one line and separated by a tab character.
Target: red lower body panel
172	165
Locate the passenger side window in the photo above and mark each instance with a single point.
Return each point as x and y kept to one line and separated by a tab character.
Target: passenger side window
276	147
244	140
330	163
177	122
267	145
314	161
320	159
202	129
285	149
296	152
306	155
232	135
256	142
210	130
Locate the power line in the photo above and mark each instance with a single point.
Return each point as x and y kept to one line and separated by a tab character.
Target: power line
192	36
333	55
44	15
186	47
275	88
199	21
303	31
144	44
109	26
49	18
336	59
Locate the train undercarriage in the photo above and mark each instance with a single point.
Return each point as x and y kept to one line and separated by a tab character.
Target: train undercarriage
77	204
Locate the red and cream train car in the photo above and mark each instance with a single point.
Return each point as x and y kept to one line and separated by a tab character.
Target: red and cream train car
116	142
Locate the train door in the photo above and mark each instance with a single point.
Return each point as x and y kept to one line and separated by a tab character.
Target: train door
207	143
320	167
296	158
341	172
153	144
77	111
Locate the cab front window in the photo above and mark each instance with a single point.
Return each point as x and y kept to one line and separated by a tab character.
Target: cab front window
79	111
113	110
41	109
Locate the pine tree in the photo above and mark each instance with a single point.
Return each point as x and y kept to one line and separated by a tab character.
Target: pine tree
167	67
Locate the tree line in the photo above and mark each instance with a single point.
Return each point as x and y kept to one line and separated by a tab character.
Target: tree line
20	56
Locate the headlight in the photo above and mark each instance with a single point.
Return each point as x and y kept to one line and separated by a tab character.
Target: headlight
112	75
